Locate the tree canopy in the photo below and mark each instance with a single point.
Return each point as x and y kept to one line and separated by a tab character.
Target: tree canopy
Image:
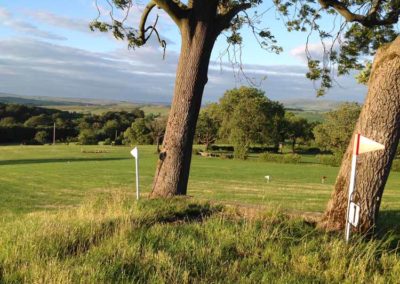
366	25
336	131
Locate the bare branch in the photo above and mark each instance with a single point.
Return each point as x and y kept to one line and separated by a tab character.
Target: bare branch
143	20
152	28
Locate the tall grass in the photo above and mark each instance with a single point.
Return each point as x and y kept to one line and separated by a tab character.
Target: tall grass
115	239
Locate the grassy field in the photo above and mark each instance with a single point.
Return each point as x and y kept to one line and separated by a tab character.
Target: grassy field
117	240
68	215
46	177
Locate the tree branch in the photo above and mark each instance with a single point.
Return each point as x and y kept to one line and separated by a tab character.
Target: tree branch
143	20
368	20
227	16
174	8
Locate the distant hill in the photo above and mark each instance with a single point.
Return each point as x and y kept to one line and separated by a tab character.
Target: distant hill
83	105
312	109
317	104
38	101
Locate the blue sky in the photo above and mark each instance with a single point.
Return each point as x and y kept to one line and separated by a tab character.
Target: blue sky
46	48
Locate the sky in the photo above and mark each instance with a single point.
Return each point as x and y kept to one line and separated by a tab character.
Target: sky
47	49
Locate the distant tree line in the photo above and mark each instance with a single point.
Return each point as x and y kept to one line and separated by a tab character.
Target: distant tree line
34	125
243	118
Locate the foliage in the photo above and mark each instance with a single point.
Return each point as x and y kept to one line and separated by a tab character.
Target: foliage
247	117
8	121
138	133
20	123
207	127
157	125
87	137
42	137
279	158
368	25
330	160
336	131
39	120
296	128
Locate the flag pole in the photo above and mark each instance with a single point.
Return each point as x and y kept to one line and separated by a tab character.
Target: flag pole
137	177
352	183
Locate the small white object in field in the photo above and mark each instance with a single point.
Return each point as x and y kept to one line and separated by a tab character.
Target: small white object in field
267	178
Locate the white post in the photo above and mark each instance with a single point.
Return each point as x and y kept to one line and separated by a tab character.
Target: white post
137	177
54	134
135	154
351	191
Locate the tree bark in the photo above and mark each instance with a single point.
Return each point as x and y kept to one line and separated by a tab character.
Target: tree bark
172	173
379	120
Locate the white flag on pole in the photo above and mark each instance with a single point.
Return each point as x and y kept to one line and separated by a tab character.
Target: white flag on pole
134	152
366	145
362	145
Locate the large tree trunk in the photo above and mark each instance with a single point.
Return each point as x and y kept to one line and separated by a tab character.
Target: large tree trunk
380	121
172	173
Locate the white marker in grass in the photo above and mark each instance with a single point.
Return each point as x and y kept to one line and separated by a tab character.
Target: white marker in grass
135	154
361	145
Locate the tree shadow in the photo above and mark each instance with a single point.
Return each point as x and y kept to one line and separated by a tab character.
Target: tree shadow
388	227
56	160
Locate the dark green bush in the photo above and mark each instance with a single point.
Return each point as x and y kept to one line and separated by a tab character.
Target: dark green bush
279	158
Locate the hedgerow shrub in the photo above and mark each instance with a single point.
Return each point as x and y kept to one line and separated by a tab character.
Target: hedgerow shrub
278	158
330	160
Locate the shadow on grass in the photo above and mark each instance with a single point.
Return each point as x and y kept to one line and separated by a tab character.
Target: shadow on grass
174	213
56	160
388	227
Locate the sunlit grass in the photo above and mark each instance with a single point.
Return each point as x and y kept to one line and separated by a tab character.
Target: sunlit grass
114	239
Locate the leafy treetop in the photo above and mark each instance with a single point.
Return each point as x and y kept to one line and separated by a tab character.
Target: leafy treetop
368	25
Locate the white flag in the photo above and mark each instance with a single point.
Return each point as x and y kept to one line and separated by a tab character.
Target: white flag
365	145
134	152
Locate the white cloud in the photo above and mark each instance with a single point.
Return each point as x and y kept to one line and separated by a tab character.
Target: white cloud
8	20
32	67
52	19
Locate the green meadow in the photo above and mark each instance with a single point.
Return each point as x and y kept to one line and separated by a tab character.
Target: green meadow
68	214
35	178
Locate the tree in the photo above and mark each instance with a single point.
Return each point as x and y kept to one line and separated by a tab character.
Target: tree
206	129
199	23
39	120
42	137
336	130
156	126
110	128
138	133
297	128
247	117
8	121
87	137
379	120
369	29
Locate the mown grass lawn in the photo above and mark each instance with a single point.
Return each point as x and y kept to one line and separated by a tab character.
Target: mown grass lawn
49	177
